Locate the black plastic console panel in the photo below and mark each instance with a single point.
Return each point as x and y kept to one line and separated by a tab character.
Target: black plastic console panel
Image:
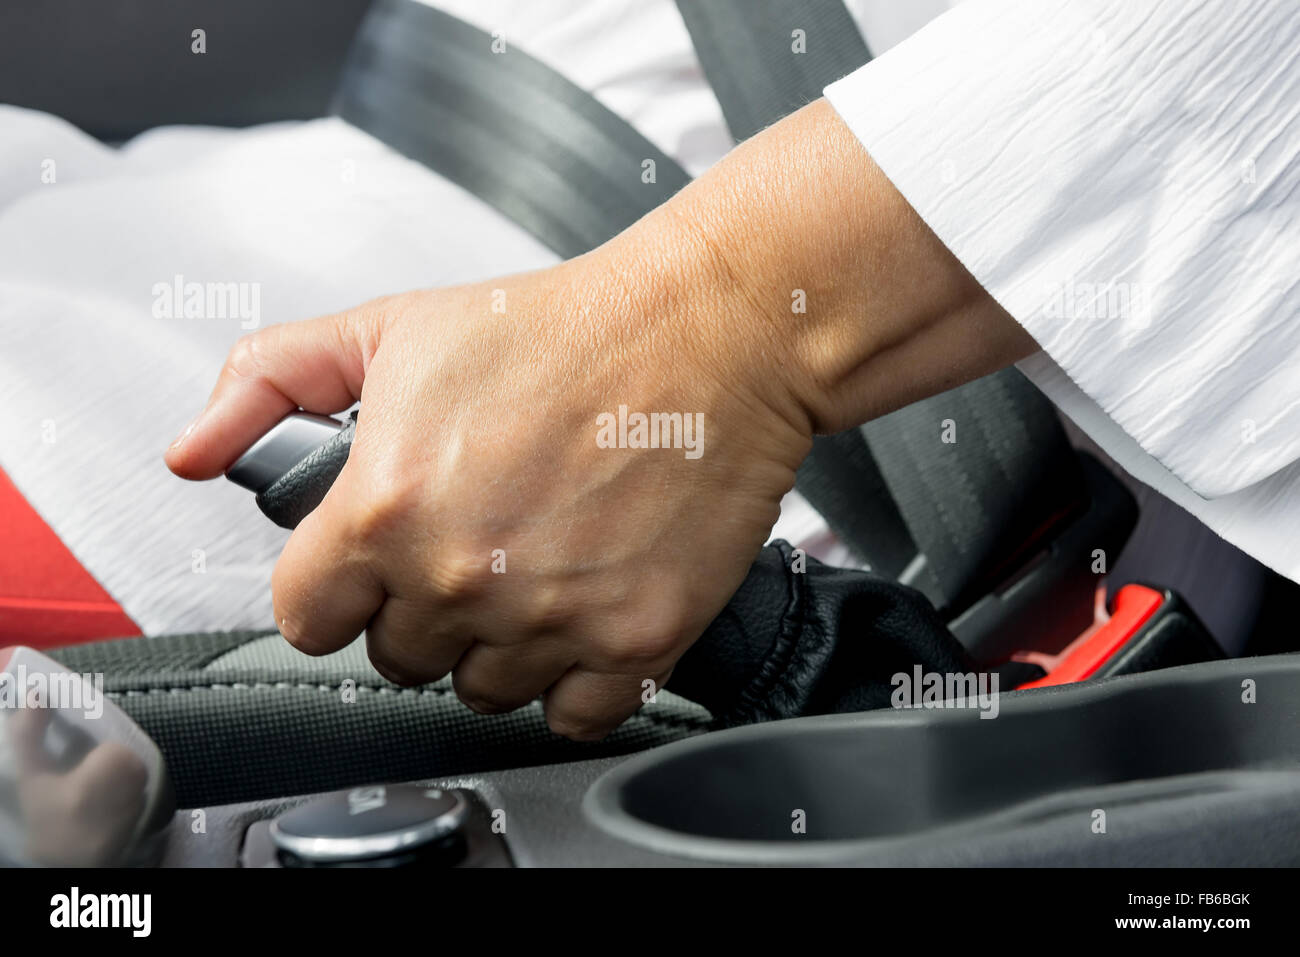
1190	766
1084	756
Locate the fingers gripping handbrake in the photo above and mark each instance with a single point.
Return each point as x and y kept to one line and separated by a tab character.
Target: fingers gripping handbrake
791	641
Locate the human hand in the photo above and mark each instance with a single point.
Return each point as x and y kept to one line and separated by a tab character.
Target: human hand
480	527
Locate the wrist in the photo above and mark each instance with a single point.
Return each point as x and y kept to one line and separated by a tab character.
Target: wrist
852	306
787	242
677	312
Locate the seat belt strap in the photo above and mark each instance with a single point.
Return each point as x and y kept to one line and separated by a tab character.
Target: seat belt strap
981	475
503	125
842	481
766	59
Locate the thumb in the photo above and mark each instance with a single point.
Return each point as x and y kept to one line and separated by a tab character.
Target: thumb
316	364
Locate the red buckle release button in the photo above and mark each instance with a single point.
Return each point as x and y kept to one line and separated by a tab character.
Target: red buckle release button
1134	606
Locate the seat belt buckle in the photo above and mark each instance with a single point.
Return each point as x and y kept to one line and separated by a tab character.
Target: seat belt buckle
1051	598
1148	628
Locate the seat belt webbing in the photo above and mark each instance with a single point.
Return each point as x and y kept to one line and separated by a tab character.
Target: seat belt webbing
504	126
841	480
981	475
760	68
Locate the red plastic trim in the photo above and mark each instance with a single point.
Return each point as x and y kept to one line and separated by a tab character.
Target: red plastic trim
1134	606
46	597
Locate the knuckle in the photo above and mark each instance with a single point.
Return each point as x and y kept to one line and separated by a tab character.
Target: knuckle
652	634
550	607
646	644
459	573
384	508
378	313
246	356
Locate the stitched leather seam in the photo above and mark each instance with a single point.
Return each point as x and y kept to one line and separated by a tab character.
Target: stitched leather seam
776	666
273	686
670	720
794	628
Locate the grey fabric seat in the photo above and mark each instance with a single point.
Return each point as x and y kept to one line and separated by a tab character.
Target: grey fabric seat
243	715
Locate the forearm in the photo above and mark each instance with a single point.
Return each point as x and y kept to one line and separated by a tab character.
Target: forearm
800	217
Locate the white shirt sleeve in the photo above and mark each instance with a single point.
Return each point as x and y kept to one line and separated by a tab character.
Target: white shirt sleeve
1123	176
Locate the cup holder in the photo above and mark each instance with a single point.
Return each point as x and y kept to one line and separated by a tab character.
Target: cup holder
899	775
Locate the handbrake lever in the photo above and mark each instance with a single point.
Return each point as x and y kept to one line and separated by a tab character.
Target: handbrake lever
798	637
292	467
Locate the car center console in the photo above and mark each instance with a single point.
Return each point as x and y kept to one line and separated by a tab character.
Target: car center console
1198	765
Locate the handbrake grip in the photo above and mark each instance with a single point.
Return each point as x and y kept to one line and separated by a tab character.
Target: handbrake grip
287	498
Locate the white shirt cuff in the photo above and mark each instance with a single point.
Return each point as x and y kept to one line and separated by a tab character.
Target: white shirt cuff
1122	177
